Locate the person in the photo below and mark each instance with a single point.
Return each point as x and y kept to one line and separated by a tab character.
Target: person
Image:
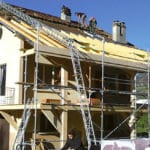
92	24
81	18
73	142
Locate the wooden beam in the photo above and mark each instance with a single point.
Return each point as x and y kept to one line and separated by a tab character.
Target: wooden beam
53	119
43	36
9	119
64	127
11	25
107	109
30	32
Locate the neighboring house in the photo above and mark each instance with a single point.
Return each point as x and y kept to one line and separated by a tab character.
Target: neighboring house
49	77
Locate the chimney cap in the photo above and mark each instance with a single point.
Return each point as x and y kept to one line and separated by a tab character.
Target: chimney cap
116	21
66	10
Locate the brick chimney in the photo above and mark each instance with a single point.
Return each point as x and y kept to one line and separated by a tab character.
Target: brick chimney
65	13
119	32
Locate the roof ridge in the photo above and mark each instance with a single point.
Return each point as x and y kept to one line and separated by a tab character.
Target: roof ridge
72	26
49	17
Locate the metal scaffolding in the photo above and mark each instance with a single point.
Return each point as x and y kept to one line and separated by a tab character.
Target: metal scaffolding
62	39
148	96
36	85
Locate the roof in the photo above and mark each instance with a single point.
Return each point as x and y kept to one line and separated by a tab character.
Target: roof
121	54
57	23
72	26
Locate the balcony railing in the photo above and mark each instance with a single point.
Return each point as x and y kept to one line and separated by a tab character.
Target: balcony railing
9	96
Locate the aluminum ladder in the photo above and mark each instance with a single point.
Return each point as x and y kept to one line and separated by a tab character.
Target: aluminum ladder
84	102
18	143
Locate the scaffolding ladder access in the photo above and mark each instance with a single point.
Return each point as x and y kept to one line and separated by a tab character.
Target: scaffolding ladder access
84	102
19	143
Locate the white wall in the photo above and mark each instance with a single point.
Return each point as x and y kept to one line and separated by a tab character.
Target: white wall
10	55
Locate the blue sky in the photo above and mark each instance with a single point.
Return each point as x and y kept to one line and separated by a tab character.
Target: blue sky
135	13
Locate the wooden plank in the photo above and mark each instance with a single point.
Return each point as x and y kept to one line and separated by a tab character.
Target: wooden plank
31	33
43	36
50	101
9	24
53	101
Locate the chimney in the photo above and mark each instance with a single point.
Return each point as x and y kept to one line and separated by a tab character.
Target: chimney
65	13
119	32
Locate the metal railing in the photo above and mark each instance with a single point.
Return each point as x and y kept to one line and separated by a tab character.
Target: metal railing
9	96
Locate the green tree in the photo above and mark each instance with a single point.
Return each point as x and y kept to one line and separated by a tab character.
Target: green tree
142	125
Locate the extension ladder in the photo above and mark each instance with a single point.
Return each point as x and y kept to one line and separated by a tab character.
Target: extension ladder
84	103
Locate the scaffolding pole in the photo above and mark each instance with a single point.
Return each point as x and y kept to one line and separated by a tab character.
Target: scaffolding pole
148	95
25	91
102	83
135	105
102	92
36	87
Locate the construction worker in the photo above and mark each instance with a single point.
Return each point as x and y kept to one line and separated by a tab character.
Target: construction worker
81	18
74	142
92	24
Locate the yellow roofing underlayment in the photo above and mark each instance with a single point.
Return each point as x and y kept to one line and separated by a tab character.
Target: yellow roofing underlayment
84	43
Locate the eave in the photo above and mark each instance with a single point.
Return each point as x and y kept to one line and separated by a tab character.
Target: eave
90	48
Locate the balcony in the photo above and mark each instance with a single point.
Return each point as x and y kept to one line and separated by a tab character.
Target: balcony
9	96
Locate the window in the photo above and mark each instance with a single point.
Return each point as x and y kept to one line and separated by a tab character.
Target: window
2	79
